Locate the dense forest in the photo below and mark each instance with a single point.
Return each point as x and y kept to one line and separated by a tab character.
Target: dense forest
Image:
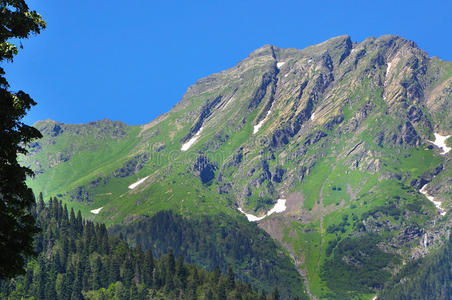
79	259
425	278
218	241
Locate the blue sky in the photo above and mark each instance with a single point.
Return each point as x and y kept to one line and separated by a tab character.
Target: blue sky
133	60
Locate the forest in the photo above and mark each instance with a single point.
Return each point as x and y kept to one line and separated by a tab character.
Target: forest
217	241
424	278
79	259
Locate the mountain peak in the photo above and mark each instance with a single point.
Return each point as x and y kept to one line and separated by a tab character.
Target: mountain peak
266	50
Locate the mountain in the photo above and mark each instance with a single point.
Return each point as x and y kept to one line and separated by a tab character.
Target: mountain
338	151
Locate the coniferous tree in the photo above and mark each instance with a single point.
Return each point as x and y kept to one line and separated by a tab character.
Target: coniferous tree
128	271
181	272
95	274
275	294
148	268
40	280
230	281
113	270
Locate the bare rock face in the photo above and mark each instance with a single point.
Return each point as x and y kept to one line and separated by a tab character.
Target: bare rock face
132	166
204	169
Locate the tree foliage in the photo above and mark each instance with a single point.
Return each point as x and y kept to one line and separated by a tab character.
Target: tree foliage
426	278
218	241
78	259
17	225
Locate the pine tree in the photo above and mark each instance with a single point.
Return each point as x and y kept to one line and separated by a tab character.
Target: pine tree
171	262
230	280
275	294
77	286
148	268
128	271
40	280
181	272
96	273
113	270
133	292
41	205
222	291
262	295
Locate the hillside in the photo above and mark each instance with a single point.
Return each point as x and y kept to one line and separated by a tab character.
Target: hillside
93	265
338	151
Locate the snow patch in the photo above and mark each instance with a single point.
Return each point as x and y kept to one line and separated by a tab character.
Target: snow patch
188	144
440	142
279	207
286	75
388	68
97	210
135	184
280	64
423	191
250	217
259	125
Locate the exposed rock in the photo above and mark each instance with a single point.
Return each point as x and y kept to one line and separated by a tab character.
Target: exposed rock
279	173
132	166
204	169
206	111
84	193
56	130
414	114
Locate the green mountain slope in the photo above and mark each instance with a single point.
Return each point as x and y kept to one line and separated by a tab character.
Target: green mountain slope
340	132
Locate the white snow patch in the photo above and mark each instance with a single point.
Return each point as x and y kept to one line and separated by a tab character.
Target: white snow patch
250	217
188	144
440	142
280	64
313	116
135	184
259	125
286	75
279	207
388	68
423	191
97	210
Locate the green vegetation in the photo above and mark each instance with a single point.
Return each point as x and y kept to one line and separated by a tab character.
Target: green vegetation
345	144
425	278
357	266
17	226
79	260
221	241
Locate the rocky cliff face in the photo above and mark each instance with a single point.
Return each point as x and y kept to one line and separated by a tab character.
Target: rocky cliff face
342	131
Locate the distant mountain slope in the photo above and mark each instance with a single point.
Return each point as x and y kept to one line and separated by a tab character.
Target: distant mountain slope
342	133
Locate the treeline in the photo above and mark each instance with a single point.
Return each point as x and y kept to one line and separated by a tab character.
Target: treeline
78	259
426	278
218	241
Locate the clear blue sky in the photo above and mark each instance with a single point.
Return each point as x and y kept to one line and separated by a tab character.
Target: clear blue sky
133	60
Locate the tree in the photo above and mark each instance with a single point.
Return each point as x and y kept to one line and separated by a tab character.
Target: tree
17	225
